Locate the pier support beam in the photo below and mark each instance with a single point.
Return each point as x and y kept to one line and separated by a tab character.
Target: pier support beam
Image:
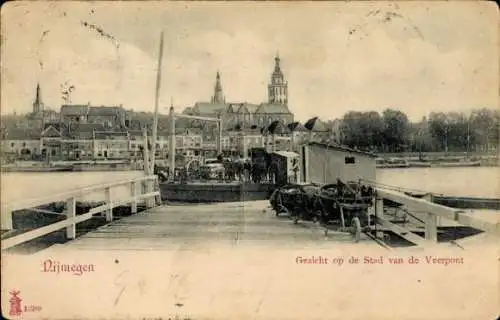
431	222
7	219
379	213
431	227
71	214
109	212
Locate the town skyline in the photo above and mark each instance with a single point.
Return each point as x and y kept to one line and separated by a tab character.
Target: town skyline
418	63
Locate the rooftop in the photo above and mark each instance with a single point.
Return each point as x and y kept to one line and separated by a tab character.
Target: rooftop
343	148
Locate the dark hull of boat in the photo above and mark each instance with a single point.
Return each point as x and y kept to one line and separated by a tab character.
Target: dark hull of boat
462	202
102	167
392	166
457	164
214	192
468	203
38	169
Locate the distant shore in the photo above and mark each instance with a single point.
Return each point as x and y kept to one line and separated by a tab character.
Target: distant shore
385	161
66	166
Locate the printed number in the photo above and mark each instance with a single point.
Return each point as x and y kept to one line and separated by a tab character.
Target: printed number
32	308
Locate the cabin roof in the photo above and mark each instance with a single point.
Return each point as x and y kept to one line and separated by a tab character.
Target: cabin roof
343	148
287	154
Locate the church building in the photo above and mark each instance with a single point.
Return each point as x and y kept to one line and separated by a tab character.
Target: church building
244	115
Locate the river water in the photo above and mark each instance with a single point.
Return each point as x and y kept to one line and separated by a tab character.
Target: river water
474	181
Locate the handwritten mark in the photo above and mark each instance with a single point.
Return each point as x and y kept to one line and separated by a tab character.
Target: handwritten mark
119	295
384	17
100	31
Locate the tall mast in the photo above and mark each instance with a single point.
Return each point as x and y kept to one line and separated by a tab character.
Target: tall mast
157	97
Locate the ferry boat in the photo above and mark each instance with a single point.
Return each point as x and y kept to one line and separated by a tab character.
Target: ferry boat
40	167
382	163
458	164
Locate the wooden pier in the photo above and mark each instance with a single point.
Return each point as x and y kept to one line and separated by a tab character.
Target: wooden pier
189	227
239	223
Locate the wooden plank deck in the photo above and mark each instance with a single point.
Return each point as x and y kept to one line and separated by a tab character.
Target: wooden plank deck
225	224
187	227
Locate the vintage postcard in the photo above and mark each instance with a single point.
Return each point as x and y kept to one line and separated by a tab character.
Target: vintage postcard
250	160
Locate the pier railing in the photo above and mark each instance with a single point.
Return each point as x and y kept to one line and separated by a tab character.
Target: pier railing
142	188
428	212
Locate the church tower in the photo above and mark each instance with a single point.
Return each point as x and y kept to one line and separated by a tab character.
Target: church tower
37	104
278	87
218	96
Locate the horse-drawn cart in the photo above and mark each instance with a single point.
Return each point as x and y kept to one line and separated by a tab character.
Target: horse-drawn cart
299	201
345	208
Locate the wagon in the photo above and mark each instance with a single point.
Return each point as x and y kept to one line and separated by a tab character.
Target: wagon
345	207
299	201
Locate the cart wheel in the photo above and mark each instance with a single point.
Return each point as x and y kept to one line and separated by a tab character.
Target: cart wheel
356	229
317	216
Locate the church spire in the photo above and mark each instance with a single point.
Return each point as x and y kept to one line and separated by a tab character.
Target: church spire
37	104
277	62
278	87
218	96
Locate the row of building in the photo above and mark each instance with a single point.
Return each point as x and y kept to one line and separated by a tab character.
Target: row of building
83	132
58	141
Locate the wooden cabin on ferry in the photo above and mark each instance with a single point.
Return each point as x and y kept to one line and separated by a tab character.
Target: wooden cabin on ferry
325	163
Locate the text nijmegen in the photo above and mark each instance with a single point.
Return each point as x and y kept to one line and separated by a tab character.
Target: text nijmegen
77	269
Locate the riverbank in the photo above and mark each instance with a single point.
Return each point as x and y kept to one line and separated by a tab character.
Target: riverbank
426	161
75	166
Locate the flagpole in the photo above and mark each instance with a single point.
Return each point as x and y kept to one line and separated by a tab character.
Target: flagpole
157	98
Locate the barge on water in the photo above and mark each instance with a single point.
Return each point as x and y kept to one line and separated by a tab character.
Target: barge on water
317	163
37	168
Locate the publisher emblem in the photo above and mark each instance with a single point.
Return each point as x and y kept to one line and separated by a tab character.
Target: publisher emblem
15	304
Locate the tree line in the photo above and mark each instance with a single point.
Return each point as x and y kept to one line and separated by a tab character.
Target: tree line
391	131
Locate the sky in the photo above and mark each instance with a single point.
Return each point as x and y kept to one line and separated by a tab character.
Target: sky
417	57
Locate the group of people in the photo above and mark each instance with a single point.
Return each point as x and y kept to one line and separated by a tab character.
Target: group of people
247	170
261	169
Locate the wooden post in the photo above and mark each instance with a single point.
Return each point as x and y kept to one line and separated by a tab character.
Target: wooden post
71	214
171	154
147	171
7	219
305	164
219	135
244	145
109	211
379	212
147	168
430	222
157	97
133	191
